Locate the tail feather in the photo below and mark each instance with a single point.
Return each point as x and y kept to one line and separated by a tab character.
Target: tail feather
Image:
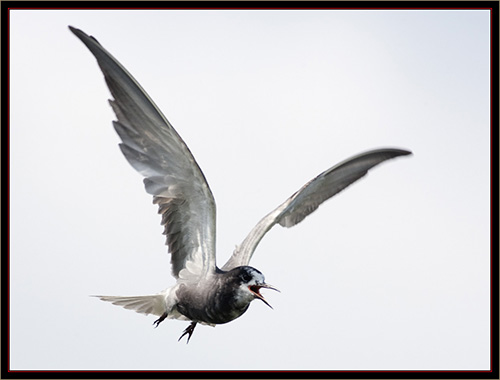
154	304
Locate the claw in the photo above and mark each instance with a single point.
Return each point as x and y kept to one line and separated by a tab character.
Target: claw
189	330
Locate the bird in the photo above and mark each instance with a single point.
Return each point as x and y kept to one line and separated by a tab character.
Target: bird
203	293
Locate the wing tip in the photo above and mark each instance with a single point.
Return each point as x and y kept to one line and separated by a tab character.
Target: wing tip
82	35
78	32
394	151
405	152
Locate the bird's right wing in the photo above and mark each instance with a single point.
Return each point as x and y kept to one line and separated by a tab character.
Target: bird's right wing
153	147
309	197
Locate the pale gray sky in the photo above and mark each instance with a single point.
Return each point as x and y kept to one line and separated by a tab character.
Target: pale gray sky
393	273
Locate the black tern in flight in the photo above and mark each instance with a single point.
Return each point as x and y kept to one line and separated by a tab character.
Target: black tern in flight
203	293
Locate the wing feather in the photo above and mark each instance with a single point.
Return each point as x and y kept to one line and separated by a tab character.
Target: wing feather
309	197
153	147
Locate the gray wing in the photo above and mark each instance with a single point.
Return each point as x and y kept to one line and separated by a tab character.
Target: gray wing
309	197
172	176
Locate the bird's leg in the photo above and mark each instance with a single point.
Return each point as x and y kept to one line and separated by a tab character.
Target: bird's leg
160	320
189	330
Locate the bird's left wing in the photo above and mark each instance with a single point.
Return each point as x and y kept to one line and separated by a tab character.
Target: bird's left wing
309	197
172	176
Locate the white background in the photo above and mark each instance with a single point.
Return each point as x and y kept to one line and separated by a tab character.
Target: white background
393	273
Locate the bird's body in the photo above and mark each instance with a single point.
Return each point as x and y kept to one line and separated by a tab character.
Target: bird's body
216	301
203	293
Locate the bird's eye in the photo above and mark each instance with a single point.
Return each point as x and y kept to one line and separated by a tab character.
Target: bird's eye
245	277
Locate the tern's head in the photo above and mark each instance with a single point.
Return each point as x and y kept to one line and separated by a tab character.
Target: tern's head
250	282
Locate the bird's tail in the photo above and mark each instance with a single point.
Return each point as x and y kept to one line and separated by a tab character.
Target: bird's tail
154	304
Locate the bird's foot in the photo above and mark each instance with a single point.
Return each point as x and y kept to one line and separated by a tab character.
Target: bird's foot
161	319
189	330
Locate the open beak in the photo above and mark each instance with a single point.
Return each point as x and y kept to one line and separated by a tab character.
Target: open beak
255	289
